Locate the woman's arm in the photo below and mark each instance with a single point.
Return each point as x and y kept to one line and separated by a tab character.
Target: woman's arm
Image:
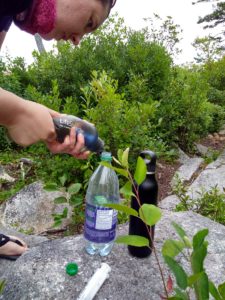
28	122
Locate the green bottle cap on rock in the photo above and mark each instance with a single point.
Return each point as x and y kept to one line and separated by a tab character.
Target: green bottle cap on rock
71	269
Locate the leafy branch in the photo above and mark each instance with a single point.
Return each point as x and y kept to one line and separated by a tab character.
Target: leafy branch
149	214
70	197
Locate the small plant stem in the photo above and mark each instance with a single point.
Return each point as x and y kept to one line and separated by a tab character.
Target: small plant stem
150	235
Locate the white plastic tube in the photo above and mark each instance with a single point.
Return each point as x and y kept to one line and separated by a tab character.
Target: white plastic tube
95	282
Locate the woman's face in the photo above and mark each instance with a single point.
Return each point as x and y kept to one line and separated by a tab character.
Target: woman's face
75	18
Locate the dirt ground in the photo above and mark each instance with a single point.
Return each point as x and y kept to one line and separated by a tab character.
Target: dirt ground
166	171
164	174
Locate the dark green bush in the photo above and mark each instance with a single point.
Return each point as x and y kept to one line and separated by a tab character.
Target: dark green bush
121	52
215	76
185	111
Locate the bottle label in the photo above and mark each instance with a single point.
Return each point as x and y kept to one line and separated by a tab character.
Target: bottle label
100	224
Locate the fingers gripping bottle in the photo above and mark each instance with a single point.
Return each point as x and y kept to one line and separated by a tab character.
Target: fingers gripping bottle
100	221
63	125
148	192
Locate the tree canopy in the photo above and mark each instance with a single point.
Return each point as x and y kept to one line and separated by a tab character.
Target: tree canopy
217	17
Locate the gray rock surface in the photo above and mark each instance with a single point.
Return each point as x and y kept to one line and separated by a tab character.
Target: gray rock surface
30	240
40	273
213	175
220	161
202	150
5	177
183	157
31	209
186	171
222	132
26	161
169	203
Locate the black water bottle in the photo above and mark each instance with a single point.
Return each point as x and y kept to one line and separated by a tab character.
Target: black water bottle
148	192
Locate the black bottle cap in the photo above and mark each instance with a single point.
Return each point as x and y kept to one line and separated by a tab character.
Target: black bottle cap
150	160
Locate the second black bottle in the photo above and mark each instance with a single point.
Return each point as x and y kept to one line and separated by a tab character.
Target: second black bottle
148	193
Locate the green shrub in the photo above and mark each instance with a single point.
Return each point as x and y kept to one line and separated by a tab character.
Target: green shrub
119	122
185	111
210	204
118	50
215	76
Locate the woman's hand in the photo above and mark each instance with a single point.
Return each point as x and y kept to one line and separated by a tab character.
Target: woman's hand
73	144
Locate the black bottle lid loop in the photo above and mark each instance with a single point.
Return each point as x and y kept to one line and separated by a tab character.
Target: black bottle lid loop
150	160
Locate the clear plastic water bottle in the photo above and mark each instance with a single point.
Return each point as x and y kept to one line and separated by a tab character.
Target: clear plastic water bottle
100	221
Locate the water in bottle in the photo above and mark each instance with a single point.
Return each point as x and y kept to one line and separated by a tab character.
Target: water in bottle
100	221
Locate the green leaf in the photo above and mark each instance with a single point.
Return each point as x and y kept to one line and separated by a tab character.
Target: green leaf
199	238
221	289
74	188
141	170
116	160
125	158
122	172
126	190
57	217
187	242
178	271
172	248
57	223
193	278
2	285
123	208
179	230
65	212
202	287
63	179
197	259
51	187
119	155
76	200
214	292
60	200
133	240
180	294
150	214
